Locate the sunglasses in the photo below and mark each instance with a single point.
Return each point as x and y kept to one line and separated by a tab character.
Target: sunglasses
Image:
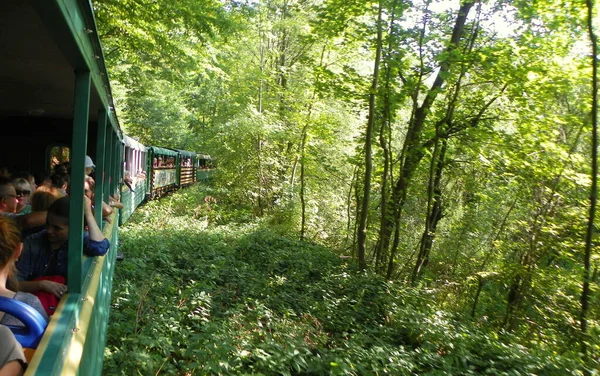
21	193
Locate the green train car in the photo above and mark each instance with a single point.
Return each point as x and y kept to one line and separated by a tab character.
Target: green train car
56	106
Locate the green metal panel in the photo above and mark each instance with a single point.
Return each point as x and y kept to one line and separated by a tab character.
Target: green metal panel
78	146
93	350
100	146
107	162
131	200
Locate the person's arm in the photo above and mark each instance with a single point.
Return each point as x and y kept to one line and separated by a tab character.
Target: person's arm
55	288
115	201
106	210
31	220
94	231
11	353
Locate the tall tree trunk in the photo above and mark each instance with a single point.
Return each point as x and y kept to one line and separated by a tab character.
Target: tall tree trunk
585	293
434	209
385	137
364	212
412	150
303	180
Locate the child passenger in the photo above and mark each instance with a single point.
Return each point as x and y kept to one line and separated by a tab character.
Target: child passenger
10	250
45	253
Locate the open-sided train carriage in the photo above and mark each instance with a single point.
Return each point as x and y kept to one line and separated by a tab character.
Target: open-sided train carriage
55	100
204	167
186	167
162	171
133	189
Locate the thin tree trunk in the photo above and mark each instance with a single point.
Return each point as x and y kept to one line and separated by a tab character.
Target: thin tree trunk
435	210
585	293
364	212
303	181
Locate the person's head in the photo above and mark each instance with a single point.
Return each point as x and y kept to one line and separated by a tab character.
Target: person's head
8	196
4	172
23	190
57	221
44	197
27	176
60	181
10	244
89	165
61	169
42	178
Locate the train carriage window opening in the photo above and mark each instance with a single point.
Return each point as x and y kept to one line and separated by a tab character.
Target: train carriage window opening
58	154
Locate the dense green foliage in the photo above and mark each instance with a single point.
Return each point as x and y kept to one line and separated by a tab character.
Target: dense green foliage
444	144
195	297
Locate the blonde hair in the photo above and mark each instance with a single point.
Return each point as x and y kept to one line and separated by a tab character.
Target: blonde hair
10	239
22	184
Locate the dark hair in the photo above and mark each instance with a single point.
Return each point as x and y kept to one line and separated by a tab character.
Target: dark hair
59	180
41	177
60	207
4	182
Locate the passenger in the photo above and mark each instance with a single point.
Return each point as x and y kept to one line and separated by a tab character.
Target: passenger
4	172
42	178
61	182
8	207
89	165
23	189
27	176
61	169
10	250
45	253
44	197
40	202
12	358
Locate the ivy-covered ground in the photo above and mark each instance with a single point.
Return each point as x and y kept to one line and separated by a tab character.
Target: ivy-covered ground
199	294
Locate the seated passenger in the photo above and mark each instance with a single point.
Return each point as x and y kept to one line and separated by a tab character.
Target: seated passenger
43	179
8	207
89	165
12	358
10	250
45	253
44	197
23	189
40	202
88	189
27	176
61	169
61	182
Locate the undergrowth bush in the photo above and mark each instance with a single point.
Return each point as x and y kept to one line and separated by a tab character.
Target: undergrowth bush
197	296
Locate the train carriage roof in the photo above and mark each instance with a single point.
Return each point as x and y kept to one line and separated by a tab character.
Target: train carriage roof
162	151
133	144
42	44
186	153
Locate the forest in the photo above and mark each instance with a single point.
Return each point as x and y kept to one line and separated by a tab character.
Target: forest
403	187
